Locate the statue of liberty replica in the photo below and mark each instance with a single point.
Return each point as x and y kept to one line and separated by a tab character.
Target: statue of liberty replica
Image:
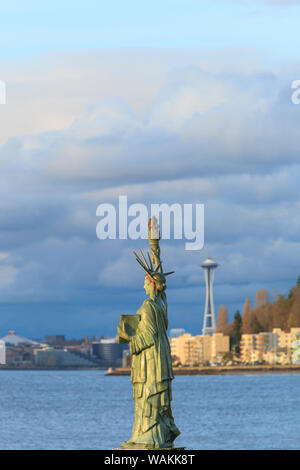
151	366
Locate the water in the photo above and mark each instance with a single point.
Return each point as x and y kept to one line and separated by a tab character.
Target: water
88	410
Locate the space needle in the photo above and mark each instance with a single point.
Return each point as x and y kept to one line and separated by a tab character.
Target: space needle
209	326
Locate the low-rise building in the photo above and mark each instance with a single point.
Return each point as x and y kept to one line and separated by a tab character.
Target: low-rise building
296	349
108	352
53	357
55	340
185	349
272	347
248	348
19	351
194	350
2	353
220	344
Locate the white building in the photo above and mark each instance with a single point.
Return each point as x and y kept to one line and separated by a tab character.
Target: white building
2	353
11	339
296	350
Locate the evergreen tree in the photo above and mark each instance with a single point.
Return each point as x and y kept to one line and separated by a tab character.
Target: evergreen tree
236	331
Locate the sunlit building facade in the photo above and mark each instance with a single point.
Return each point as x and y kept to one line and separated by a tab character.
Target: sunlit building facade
2	353
274	347
195	350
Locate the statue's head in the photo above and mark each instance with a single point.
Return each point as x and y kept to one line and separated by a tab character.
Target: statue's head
159	281
155	284
155	279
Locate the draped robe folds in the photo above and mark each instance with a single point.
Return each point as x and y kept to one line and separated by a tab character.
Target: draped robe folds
151	376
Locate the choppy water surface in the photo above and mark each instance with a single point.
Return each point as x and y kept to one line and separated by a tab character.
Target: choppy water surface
88	410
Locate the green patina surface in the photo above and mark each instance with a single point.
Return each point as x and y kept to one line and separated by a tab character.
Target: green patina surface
151	368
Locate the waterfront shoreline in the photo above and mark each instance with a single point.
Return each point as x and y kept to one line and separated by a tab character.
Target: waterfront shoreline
219	370
31	368
208	370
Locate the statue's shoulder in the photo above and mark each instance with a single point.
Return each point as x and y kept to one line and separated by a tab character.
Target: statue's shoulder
148	306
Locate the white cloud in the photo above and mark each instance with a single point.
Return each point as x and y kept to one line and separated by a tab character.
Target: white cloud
190	130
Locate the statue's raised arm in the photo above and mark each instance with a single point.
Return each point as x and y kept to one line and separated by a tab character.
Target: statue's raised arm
154	237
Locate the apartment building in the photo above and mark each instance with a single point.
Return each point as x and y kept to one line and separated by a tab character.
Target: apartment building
248	348
186	349
271	347
193	350
220	344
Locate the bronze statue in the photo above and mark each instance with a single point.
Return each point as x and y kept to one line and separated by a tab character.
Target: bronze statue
151	368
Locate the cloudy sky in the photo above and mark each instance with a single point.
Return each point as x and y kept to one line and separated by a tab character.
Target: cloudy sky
175	102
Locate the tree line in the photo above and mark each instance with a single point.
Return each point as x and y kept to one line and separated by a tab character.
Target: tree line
283	312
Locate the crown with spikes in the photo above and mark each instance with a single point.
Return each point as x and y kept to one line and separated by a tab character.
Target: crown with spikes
149	268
